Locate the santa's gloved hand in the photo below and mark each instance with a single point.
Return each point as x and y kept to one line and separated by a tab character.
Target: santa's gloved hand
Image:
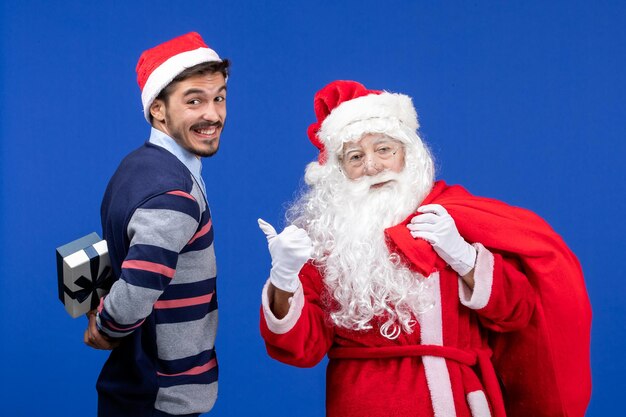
438	228
290	250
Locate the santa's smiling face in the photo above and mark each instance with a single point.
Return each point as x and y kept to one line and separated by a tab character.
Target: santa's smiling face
194	113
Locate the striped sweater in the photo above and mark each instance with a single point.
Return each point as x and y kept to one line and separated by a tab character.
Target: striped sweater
158	229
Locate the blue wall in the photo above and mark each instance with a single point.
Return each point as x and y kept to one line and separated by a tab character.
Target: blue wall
522	101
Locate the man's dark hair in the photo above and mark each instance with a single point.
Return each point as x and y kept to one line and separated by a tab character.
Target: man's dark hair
199	69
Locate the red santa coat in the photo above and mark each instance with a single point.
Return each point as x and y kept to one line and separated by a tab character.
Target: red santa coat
443	368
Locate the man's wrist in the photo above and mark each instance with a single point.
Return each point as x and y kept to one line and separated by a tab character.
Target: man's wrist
101	331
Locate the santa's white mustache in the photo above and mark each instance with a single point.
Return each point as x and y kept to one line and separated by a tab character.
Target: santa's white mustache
366	182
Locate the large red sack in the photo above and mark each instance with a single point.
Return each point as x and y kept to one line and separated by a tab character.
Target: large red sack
545	367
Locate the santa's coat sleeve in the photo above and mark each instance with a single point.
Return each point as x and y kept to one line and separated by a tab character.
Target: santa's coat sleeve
502	296
303	337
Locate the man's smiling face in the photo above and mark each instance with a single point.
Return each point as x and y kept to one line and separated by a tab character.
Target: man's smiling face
194	113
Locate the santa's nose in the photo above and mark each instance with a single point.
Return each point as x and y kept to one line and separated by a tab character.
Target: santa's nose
372	167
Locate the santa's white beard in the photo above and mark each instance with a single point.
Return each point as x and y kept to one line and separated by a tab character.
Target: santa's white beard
346	221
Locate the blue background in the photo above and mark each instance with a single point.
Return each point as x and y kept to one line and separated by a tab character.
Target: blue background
523	101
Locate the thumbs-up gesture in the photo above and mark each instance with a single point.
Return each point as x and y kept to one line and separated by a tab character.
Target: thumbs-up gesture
290	250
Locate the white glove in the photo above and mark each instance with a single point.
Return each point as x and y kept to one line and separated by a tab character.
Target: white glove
438	228
290	250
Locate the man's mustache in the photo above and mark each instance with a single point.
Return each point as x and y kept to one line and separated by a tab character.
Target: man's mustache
205	125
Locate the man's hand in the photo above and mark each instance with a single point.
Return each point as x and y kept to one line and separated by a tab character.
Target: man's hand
437	227
94	338
290	250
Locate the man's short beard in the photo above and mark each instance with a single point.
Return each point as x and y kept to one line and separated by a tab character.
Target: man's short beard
210	153
207	154
346	220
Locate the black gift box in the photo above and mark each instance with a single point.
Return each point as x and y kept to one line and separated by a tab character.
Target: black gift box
84	273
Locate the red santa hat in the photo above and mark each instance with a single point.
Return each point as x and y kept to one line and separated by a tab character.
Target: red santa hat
346	110
157	67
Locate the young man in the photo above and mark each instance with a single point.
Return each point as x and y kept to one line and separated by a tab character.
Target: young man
160	317
409	285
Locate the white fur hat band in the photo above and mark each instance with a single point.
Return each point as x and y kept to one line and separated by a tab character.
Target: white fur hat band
346	110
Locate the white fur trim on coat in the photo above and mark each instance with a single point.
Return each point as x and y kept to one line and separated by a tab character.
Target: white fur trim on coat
167	71
296	304
435	367
478	404
483	280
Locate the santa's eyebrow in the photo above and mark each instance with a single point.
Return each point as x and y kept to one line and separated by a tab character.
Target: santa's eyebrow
384	139
354	148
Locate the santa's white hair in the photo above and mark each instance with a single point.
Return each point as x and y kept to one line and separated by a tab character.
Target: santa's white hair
346	220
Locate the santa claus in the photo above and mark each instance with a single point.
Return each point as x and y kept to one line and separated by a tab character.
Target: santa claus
407	284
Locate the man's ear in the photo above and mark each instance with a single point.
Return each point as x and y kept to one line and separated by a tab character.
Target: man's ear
157	110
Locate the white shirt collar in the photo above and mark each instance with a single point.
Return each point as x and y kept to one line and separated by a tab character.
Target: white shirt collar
190	160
